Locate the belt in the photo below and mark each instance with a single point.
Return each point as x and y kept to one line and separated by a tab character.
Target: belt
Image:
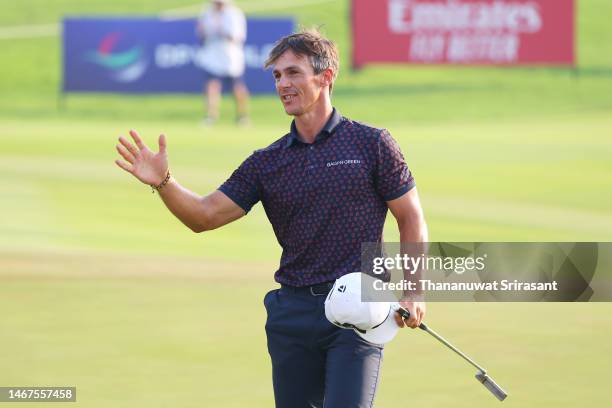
319	289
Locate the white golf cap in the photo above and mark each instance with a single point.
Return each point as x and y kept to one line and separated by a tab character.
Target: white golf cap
344	307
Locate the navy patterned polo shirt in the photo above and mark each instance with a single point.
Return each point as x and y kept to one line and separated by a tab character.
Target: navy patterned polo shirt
323	199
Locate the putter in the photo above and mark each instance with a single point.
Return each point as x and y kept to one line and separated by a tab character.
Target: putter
481	376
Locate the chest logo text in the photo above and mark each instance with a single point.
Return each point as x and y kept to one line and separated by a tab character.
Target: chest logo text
342	162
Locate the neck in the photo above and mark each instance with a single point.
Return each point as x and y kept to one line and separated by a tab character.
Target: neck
309	124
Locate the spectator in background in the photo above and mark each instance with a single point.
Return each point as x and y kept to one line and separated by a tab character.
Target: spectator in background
222	28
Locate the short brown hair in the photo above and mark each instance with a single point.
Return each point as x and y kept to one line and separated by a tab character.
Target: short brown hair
321	52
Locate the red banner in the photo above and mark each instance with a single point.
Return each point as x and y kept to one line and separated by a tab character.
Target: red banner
499	32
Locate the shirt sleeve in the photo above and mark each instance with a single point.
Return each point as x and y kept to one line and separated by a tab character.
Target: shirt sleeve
241	27
243	186
393	178
234	24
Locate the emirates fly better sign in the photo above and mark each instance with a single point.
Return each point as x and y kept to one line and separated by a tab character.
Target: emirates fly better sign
500	32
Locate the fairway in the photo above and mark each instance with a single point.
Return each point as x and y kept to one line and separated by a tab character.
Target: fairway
100	288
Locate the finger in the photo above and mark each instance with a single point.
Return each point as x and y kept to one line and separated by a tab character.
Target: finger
162	144
137	139
398	319
124	166
125	154
418	317
128	146
421	316
412	322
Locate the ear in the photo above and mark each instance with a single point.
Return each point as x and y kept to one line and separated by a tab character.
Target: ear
327	77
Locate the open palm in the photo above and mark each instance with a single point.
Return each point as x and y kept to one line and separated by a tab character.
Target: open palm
147	166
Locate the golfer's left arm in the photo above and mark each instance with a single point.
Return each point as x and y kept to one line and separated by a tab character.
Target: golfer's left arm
408	213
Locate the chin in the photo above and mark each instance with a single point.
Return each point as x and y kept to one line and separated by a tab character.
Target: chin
292	111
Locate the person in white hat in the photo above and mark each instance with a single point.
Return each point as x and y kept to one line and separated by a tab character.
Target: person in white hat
222	28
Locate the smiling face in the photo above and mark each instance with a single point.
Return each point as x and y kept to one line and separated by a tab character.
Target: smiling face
299	88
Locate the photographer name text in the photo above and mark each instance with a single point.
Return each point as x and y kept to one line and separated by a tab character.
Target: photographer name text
429	285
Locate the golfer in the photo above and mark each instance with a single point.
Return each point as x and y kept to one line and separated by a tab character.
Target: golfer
326	187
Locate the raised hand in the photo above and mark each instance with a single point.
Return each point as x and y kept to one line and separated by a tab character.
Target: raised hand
148	167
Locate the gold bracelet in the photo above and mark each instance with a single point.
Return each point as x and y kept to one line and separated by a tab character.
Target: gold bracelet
162	184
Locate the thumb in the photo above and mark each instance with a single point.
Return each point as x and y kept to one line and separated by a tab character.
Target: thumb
162	144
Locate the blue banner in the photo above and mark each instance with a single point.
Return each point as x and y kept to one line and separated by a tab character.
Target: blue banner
149	55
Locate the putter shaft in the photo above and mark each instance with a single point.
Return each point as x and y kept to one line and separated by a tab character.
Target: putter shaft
450	346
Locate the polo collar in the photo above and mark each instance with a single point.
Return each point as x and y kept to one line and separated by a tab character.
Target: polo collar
329	128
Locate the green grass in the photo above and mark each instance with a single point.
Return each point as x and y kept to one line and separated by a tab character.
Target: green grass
67	194
102	289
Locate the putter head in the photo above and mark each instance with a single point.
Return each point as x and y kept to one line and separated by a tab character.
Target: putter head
488	382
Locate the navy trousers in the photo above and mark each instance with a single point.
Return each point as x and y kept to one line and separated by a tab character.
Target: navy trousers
314	363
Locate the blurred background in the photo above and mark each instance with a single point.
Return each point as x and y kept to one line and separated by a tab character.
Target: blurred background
102	289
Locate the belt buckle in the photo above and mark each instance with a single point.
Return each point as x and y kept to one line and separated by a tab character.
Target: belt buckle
313	293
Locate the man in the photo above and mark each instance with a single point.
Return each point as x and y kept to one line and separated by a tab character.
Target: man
326	187
222	27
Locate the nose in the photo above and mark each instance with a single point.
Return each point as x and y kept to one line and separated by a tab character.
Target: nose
282	82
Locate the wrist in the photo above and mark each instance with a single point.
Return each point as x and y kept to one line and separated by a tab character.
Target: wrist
413	296
157	187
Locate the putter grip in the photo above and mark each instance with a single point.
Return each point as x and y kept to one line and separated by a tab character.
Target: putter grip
406	315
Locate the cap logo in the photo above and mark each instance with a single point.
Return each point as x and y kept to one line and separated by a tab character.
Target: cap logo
341	288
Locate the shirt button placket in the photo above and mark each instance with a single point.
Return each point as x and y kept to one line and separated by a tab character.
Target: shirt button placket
310	158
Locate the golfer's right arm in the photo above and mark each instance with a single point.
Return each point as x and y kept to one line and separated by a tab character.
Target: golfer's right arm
196	212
